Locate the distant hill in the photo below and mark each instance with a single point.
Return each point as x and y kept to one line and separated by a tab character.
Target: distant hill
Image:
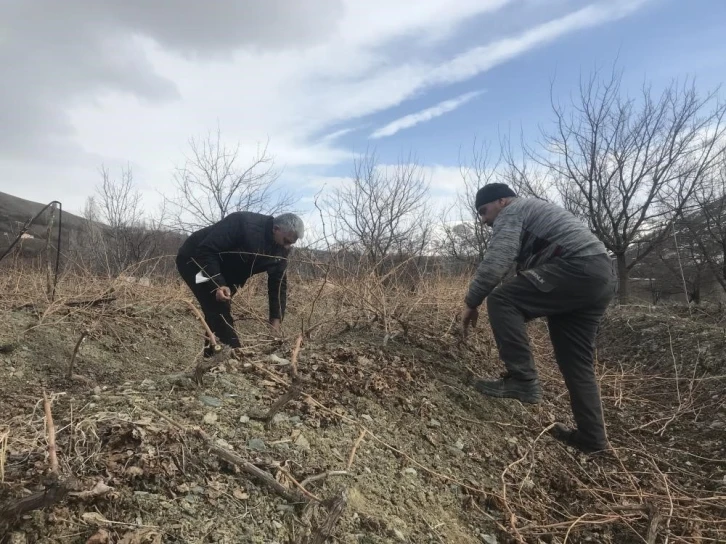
15	212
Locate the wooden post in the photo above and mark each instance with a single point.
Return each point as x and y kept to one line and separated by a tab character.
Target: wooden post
49	252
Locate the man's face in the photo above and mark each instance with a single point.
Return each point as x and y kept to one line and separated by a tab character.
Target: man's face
489	212
283	238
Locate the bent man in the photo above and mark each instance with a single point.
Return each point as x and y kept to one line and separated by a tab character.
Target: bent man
217	260
564	274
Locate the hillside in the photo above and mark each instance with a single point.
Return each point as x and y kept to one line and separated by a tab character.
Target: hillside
384	417
14	214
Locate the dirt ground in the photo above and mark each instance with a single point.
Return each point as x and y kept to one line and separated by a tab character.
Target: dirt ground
385	418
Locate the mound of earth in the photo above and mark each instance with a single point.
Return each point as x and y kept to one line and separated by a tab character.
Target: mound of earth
382	427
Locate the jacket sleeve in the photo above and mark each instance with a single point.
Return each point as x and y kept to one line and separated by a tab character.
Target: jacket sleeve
277	289
225	236
501	254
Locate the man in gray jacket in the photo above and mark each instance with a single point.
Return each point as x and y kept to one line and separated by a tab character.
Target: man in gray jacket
563	273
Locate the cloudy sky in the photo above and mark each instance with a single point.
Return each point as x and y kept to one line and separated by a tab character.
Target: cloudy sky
92	82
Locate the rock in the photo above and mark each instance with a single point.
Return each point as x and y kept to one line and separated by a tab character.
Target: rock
97	390
210	418
410	471
717	425
19	374
399	535
18	538
295	420
489	539
210	401
280	418
244	419
224	444
277	524
455	451
302	443
134	472
257	444
368	418
434	423
459	444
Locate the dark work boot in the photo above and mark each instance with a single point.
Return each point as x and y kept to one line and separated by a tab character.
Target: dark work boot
528	391
574	438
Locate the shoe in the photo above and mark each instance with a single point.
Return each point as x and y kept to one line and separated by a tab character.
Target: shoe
574	438
528	391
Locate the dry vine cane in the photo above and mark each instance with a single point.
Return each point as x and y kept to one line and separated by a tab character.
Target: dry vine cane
56	489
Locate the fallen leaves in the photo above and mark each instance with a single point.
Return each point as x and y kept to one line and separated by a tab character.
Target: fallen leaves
98	490
94	518
102	536
141	536
240	494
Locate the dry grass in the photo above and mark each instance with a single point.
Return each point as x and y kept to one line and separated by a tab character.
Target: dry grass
664	484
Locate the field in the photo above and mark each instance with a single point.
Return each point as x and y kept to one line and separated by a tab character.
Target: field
382	440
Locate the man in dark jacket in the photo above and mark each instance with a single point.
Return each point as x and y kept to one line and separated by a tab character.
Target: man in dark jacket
563	273
217	260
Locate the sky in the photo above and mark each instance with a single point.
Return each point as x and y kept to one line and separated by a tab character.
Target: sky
87	83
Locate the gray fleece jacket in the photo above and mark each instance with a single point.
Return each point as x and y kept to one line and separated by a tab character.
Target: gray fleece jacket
530	232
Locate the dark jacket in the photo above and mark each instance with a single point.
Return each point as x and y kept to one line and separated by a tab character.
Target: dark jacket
238	247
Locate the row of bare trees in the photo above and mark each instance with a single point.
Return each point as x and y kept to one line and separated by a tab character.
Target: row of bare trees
118	236
646	173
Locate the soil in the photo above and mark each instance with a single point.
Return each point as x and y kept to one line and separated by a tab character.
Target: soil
438	462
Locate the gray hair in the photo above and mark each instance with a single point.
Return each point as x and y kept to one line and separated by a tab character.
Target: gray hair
289	222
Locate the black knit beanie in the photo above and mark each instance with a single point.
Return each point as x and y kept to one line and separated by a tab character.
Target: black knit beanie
491	192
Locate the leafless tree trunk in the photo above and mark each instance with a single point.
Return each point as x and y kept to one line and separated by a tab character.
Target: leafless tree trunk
215	181
630	167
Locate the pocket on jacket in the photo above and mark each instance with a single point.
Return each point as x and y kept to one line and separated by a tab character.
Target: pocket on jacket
538	280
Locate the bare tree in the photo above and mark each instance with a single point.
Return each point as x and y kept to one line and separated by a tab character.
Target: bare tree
383	211
630	167
215	181
522	172
117	234
703	229
464	237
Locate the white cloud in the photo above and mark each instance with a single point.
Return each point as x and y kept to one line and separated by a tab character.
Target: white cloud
135	83
413	119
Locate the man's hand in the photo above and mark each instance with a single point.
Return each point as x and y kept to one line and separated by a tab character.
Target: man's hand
275	324
469	317
224	294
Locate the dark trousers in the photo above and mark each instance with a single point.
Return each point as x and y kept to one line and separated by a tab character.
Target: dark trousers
573	294
217	314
